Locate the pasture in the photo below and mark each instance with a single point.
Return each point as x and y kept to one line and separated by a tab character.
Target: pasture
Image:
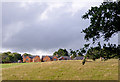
62	70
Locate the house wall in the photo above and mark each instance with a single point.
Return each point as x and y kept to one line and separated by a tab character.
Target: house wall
46	59
36	59
24	58
54	58
27	59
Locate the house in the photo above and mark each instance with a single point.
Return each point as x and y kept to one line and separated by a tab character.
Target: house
79	58
54	58
36	59
64	58
31	59
49	58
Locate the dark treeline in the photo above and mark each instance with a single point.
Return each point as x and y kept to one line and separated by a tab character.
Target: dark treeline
64	52
106	52
8	57
104	23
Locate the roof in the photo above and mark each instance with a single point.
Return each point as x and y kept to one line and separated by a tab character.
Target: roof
79	58
51	57
65	57
30	56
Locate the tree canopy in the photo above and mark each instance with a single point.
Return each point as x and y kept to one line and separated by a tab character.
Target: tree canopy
104	21
26	54
8	57
107	51
61	52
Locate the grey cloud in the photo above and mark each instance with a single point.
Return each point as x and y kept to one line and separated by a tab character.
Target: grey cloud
60	31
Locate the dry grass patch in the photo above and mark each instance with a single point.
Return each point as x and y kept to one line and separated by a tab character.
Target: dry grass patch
64	70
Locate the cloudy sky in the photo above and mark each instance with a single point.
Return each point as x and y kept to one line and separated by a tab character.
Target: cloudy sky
44	27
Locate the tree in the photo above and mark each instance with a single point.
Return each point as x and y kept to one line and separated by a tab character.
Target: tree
111	51
17	56
80	54
91	53
107	52
104	21
8	57
26	54
61	52
55	54
73	53
11	58
4	57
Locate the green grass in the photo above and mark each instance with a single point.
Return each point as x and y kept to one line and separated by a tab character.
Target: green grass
63	70
12	64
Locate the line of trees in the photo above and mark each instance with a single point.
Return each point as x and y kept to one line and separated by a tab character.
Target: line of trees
104	23
107	52
8	57
64	52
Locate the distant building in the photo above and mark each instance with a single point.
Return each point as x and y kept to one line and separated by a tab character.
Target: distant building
79	58
64	58
31	59
49	58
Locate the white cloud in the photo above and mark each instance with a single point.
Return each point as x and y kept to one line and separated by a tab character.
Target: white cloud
75	7
5	50
40	53
64	7
34	52
26	5
61	31
50	8
11	29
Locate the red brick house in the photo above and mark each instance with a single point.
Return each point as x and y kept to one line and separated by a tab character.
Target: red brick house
54	58
29	59
36	59
49	58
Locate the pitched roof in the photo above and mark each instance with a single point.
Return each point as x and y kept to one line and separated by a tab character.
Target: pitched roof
30	57
79	58
65	57
51	57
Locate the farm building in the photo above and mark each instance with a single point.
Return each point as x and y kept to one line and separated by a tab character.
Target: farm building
64	58
31	59
79	58
49	58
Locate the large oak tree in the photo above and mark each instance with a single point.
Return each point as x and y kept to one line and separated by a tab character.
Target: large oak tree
104	21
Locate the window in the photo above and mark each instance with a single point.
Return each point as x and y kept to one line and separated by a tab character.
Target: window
36	59
46	59
26	59
54	59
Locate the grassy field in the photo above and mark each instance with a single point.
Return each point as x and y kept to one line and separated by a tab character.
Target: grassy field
62	70
13	65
